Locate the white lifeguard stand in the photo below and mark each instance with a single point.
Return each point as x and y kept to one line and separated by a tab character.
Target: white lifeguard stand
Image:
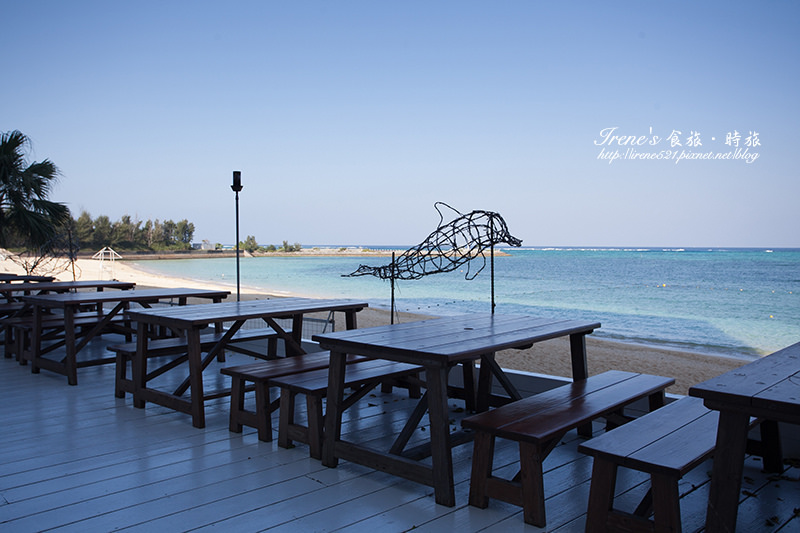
106	256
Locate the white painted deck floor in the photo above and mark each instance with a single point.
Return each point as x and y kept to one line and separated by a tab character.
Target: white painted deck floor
79	459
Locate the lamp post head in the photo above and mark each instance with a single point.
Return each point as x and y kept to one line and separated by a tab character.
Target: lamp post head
237	181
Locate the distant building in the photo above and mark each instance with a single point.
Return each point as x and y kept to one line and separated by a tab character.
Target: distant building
205	245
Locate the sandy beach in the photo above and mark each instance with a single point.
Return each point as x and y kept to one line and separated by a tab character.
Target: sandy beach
551	357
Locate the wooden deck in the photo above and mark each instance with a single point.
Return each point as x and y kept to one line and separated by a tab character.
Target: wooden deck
79	459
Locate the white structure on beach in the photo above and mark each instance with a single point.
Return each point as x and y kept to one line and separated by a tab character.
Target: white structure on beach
106	256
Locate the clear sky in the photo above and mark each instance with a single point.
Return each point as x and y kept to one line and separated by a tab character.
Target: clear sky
349	119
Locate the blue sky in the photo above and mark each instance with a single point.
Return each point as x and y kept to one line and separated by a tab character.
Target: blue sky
349	119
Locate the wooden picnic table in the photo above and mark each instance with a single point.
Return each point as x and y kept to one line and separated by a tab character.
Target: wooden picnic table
768	388
13	306
189	321
15	291
437	345
71	302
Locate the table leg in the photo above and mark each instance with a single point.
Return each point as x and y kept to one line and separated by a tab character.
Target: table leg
484	387
493	370
196	377
71	361
139	365
726	474
470	392
297	334
292	342
333	406
350	319
97	330
577	347
441	458
35	341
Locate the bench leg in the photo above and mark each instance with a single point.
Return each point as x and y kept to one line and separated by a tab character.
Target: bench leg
286	418
532	483
482	460
468	377
120	375
601	495
656	400
315	425
19	347
409	383
771	451
237	404
666	503
8	341
263	412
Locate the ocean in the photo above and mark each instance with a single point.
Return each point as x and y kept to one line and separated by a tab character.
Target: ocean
735	302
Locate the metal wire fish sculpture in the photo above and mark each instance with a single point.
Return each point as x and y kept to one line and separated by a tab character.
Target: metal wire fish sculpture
449	247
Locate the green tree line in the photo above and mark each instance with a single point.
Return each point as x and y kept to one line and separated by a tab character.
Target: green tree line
130	234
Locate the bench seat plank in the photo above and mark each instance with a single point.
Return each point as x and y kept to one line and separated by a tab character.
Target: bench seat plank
666	444
545	415
363	377
283	366
261	374
681	436
316	381
538	422
670	418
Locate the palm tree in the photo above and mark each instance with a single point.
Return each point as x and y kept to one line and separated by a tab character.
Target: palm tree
26	216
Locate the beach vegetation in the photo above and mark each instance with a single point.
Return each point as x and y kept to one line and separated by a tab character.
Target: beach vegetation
27	218
131	234
250	244
290	248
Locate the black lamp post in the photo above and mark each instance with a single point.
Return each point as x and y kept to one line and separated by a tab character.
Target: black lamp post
236	187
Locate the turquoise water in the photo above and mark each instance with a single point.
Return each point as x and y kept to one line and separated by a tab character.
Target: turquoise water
740	302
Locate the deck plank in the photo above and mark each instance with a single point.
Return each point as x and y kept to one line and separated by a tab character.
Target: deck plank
79	459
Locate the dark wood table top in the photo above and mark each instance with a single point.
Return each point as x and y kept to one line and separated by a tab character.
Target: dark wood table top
143	295
198	316
64	286
769	386
450	339
8	278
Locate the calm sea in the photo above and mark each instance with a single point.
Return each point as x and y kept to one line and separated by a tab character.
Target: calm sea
740	302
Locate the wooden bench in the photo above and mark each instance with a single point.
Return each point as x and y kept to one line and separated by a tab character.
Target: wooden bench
363	377
178	345
8	310
19	329
538	423
666	444
261	374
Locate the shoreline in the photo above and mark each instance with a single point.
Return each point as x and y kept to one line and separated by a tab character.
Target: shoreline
549	357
